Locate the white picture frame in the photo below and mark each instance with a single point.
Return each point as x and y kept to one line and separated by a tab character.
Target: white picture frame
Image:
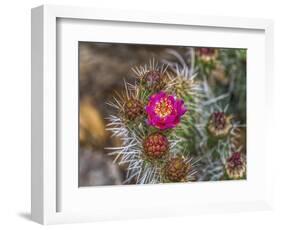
56	197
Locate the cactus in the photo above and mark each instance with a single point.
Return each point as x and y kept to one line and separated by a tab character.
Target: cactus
173	124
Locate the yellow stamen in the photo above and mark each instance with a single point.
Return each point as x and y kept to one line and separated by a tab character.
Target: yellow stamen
163	108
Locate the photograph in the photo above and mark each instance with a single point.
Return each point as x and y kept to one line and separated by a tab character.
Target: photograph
154	114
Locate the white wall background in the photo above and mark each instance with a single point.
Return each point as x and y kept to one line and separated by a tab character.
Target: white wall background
15	113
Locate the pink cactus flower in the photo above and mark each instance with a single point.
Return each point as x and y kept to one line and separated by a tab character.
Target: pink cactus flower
164	111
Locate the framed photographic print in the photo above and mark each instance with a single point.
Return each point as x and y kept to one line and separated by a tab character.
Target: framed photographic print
137	114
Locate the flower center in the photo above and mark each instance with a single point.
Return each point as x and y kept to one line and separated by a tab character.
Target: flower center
152	77
219	120
235	160
163	107
207	51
